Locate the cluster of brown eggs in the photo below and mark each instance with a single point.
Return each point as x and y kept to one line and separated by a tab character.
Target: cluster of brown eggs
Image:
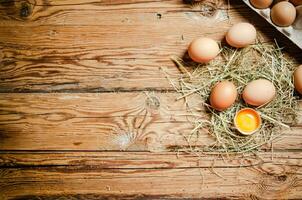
283	13
203	50
223	95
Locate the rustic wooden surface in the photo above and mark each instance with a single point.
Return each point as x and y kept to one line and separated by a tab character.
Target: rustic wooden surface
87	113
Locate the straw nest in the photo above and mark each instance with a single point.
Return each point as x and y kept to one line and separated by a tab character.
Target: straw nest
240	66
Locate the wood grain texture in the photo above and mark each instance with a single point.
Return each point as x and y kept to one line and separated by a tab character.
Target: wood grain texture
143	175
87	142
88	12
144	160
90	46
91	121
108	121
267	181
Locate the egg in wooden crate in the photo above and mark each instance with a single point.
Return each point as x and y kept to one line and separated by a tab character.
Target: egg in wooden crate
283	13
261	4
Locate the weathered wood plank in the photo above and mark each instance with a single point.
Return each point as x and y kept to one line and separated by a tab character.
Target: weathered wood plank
88	12
126	13
109	121
122	57
106	74
123	13
84	45
268	181
62	46
144	160
110	30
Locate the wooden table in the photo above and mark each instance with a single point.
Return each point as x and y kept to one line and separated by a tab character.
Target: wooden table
87	113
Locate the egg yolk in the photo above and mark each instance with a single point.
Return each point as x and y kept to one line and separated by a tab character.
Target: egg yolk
247	120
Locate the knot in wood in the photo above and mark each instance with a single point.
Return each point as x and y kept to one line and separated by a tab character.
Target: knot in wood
153	102
158	15
208	9
25	10
282	178
205	8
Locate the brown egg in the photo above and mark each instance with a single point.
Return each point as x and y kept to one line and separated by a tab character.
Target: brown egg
296	2
261	4
259	92
203	50
283	13
241	35
223	95
298	79
298	22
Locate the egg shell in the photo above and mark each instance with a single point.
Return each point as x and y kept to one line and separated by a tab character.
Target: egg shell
259	92
283	13
261	4
241	35
298	79
223	95
247	121
203	50
298	21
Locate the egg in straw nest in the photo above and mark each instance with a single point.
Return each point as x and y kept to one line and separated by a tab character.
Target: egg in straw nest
264	61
